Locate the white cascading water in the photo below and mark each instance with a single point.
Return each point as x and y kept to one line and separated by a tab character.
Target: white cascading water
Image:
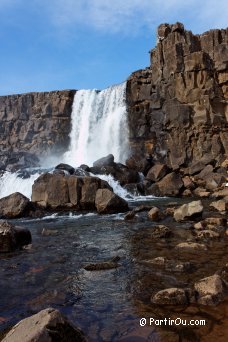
10	183
99	126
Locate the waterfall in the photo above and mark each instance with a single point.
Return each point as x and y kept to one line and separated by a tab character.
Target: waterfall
99	126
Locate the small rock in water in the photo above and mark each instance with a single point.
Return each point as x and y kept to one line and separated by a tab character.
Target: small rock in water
154	214
188	211
49	232
191	246
105	265
210	290
171	296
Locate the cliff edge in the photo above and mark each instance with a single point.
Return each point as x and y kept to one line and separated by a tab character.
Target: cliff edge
177	108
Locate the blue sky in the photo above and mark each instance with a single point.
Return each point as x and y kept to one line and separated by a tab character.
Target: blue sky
80	44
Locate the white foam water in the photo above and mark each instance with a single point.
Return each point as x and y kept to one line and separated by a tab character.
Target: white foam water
117	188
10	182
99	126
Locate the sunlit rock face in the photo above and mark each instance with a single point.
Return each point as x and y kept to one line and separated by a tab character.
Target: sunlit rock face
35	122
177	107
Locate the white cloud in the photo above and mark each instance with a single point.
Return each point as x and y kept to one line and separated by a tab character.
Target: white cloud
130	16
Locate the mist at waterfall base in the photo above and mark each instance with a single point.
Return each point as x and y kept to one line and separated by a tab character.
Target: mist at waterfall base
98	128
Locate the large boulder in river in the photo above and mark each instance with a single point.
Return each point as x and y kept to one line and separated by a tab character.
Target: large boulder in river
65	167
170	185
89	188
105	161
109	203
13	237
62	191
188	211
14	205
51	190
122	173
48	325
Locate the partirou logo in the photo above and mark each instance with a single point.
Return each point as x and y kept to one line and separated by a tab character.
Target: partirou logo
169	321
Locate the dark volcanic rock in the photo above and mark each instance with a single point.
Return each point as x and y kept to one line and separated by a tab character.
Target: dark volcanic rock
65	167
12	237
105	161
120	172
48	325
14	205
177	106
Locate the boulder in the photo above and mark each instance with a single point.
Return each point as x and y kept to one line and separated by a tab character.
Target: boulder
210	290
65	167
90	185
51	190
105	161
120	172
14	205
188	211
48	325
107	202
61	191
13	237
171	296
157	172
220	205
170	185
154	214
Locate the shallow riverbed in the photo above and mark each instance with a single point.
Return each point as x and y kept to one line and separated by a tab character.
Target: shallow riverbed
108	304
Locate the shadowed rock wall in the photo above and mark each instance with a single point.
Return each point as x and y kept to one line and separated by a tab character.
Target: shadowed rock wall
177	108
35	122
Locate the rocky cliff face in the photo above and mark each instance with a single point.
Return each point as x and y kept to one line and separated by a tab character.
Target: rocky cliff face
37	123
177	108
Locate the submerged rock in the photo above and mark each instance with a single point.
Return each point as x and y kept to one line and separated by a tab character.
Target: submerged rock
191	246
105	265
171	296
161	231
13	237
48	325
14	205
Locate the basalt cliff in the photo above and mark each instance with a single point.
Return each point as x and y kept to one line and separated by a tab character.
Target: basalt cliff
34	124
178	106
